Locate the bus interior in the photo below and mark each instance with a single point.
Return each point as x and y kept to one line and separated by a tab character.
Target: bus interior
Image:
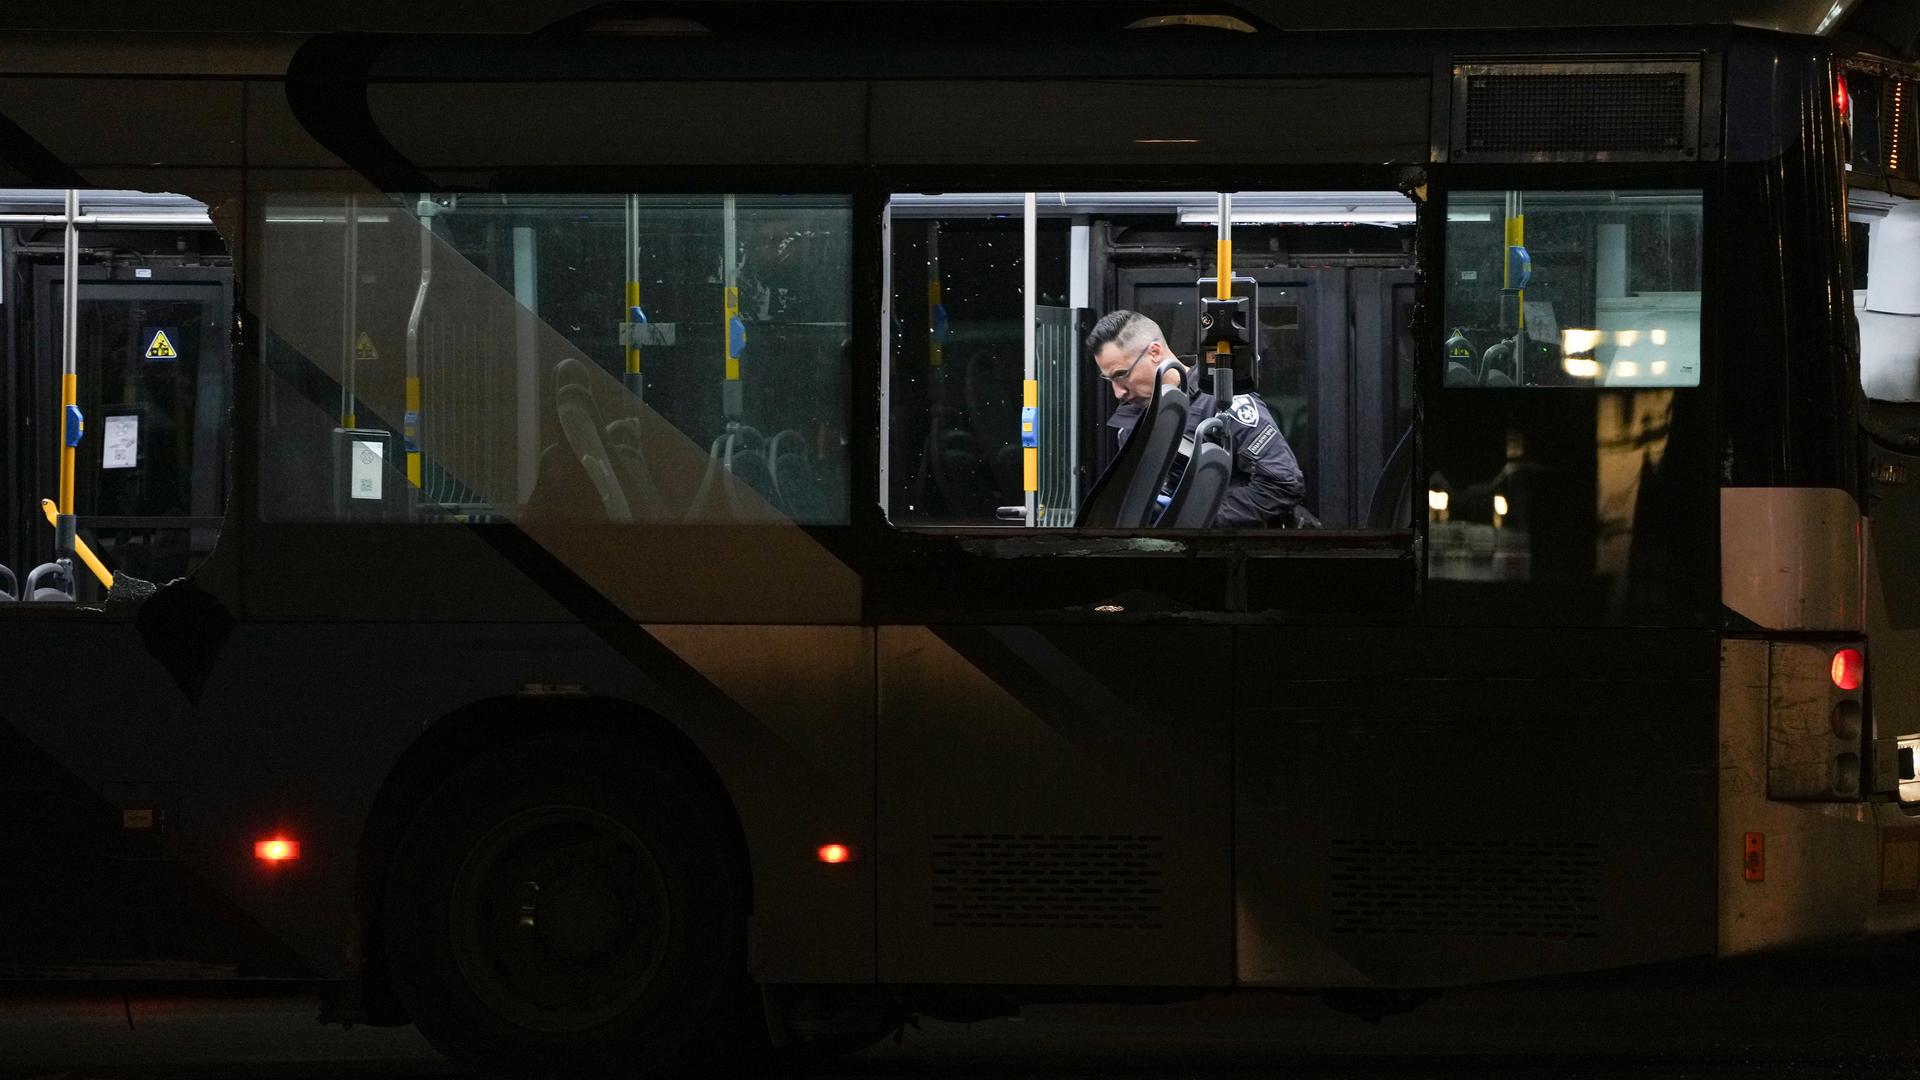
603	358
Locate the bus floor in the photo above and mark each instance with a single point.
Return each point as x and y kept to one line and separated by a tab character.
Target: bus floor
1836	1012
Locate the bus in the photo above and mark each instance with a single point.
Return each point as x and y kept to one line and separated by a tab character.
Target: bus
593	542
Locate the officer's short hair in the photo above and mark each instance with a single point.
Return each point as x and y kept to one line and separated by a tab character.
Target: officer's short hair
1129	329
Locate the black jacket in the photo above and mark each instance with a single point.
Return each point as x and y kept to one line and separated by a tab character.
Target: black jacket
1265	484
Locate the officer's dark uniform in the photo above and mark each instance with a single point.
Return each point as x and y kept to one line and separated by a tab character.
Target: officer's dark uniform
1265	484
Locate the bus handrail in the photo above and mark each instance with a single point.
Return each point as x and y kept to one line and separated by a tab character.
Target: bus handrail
80	547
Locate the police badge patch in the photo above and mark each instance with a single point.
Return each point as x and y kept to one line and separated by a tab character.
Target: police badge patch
1244	411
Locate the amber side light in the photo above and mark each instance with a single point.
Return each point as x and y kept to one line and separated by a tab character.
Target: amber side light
834	854
277	850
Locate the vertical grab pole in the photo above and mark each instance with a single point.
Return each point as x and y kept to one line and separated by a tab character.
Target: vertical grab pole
1030	386
526	332
350	315
634	316
410	426
732	398
1516	231
71	423
1222	367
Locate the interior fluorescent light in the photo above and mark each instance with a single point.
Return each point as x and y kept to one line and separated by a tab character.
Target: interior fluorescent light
1300	217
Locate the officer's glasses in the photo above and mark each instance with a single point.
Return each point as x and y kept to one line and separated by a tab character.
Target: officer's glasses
1118	377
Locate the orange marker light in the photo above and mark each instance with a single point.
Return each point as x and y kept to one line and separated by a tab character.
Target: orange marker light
834	854
1849	669
279	849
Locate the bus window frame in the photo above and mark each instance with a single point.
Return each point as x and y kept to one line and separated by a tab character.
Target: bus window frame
1257	541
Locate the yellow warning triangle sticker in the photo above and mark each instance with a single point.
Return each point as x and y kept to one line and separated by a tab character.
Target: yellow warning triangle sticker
160	348
363	348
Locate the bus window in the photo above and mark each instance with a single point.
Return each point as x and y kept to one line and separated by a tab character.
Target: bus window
1331	275
1572	288
1889	310
152	285
599	358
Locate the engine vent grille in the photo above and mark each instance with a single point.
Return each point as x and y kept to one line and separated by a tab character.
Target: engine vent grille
1048	881
1576	112
1526	889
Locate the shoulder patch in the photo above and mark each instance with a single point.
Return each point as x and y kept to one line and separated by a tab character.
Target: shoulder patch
1244	410
1261	440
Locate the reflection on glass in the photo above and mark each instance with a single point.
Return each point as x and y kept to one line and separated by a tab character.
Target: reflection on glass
598	358
1573	288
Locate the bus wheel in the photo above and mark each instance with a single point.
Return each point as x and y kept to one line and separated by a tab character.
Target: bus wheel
564	909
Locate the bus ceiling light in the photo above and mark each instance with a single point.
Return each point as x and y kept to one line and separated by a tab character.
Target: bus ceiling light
1437	500
277	850
1849	669
834	854
1581	367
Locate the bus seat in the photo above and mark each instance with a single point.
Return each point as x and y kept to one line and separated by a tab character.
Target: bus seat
1459	374
1123	497
573	400
11	589
1203	487
1391	505
624	447
796	487
1498	379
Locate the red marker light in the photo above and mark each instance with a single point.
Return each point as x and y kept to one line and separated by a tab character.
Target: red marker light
1849	669
1842	99
277	850
834	854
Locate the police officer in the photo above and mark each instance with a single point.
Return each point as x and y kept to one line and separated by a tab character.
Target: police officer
1265	485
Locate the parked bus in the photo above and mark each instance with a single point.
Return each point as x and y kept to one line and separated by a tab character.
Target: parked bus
585	532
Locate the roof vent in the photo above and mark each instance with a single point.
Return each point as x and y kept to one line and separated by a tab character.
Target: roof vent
1597	111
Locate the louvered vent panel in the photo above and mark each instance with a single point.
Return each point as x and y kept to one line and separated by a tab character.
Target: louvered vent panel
1526	889
1048	881
1577	112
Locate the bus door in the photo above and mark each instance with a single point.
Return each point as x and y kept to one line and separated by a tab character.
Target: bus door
1335	365
150	475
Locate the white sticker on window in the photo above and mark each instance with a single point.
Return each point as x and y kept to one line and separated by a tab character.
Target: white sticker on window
365	473
120	446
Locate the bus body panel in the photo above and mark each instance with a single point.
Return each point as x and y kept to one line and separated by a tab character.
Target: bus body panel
1504	803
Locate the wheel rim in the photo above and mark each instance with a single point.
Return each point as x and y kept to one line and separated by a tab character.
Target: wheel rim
559	918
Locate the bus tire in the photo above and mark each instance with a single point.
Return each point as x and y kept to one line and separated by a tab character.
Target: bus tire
565	908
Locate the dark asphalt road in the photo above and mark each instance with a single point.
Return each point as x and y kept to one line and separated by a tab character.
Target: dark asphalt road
1844	1012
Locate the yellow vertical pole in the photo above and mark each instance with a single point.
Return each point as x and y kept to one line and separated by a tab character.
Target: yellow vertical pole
1029	454
1223	272
733	331
71	425
1516	237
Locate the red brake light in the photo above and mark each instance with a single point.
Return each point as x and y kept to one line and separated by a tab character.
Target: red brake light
1849	669
278	849
834	853
1842	99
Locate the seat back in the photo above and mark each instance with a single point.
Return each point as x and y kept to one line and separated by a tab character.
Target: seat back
573	400
1124	495
627	449
1203	487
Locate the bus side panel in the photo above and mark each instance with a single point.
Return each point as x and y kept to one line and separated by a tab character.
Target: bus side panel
1419	807
300	748
100	782
1054	806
